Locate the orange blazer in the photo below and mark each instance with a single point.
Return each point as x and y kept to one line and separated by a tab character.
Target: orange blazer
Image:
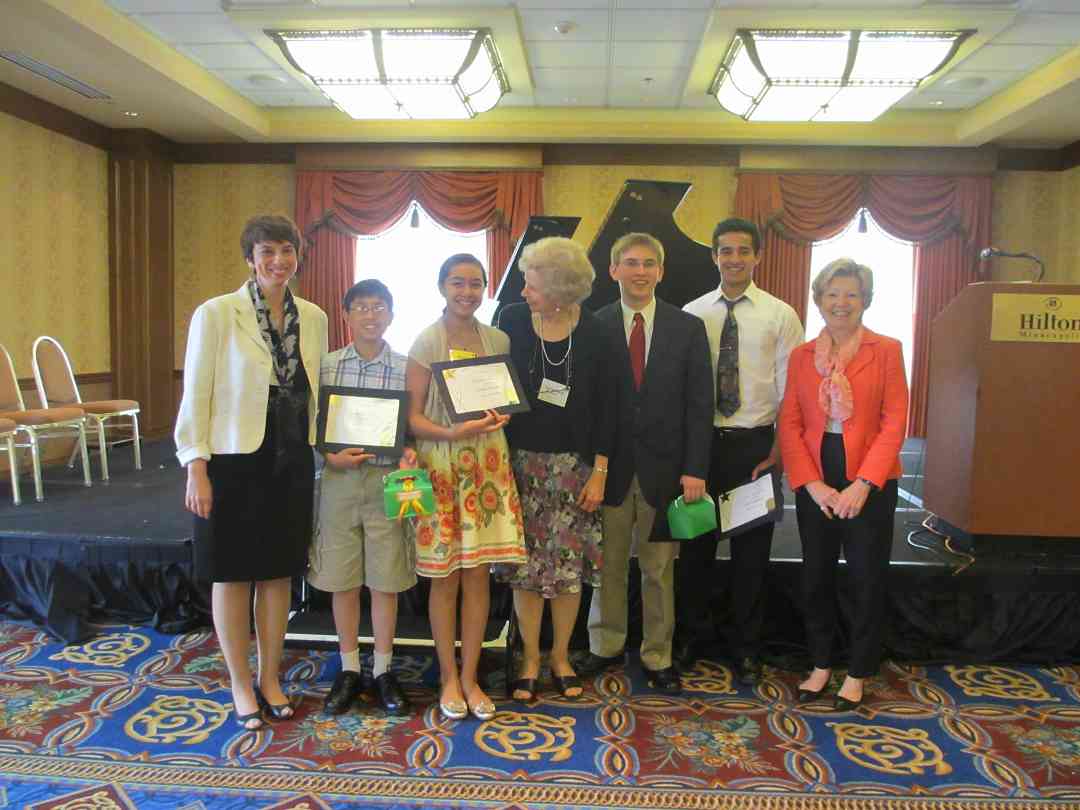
873	434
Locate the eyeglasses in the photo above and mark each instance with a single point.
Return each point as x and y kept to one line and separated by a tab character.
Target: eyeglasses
364	309
634	264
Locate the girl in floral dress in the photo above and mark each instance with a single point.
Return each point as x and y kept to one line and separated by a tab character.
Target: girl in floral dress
477	519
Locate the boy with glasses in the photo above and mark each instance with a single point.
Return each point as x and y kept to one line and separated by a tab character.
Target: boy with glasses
355	544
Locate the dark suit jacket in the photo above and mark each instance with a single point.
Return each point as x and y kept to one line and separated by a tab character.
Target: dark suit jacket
664	430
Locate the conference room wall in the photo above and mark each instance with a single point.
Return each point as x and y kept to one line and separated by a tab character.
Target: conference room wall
1038	212
54	255
589	191
211	203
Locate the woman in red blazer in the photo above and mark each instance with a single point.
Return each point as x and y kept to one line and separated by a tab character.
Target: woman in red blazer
841	427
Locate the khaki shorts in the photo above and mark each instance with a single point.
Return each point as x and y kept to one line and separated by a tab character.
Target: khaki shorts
354	542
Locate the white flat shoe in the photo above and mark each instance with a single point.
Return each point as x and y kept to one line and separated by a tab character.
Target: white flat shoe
454	709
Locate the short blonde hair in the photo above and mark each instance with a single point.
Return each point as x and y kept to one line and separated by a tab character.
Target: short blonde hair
838	268
624	243
564	269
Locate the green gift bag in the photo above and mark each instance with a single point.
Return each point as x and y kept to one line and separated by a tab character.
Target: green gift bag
690	520
407	493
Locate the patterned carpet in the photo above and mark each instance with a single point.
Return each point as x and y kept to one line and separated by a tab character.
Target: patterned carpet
136	719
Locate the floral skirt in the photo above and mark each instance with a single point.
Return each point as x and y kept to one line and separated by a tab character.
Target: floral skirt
477	519
562	539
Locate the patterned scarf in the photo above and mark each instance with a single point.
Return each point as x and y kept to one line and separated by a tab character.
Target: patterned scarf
834	393
284	348
286	404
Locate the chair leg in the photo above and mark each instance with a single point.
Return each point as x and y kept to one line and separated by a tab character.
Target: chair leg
104	448
137	442
85	455
13	462
73	456
35	458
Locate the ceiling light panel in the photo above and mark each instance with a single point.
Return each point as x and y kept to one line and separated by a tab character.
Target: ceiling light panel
435	73
802	54
860	103
826	75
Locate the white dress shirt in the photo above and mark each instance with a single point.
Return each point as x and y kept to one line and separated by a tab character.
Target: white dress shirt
648	314
768	330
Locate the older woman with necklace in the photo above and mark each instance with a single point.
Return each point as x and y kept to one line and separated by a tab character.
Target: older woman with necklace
559	451
841	426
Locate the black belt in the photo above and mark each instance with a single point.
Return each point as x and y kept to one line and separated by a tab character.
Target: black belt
742	430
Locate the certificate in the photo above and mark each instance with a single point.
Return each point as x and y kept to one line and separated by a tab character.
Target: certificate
470	387
370	418
751	504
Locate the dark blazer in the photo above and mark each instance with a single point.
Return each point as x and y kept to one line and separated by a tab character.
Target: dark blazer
664	430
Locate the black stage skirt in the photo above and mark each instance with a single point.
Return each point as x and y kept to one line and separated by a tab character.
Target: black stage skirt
261	519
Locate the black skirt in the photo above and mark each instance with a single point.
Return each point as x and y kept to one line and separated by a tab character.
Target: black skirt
260	522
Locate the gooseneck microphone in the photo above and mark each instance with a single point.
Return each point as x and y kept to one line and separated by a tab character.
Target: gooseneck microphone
991	252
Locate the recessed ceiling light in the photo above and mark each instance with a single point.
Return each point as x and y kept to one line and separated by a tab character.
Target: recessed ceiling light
564	27
963	84
131	114
937	102
265	79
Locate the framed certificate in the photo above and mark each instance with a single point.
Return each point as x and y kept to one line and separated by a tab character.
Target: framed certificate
361	417
751	504
470	387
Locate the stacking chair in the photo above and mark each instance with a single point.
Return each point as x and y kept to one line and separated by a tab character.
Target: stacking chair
38	424
56	386
8	428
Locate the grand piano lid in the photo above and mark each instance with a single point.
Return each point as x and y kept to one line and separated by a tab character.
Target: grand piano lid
538	228
648	206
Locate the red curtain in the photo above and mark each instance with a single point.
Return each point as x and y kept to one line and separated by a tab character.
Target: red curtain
948	218
353	203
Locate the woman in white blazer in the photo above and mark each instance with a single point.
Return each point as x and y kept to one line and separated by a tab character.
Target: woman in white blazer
244	432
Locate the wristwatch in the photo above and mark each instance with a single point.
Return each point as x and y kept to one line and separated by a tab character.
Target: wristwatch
869	483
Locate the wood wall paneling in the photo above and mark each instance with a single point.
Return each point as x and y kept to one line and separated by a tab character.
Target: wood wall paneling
34	110
141	278
846	160
423	157
236	153
639	155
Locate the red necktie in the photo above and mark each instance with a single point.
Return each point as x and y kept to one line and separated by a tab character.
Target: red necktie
637	349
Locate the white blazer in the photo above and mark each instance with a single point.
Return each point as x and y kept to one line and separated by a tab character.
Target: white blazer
227	374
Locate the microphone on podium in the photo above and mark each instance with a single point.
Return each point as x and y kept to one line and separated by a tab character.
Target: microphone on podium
991	252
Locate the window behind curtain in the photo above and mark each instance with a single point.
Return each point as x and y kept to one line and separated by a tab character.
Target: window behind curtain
893	263
407	260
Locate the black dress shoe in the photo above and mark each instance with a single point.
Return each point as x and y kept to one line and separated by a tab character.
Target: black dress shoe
664	680
685	655
842	704
593	664
277	711
347	686
391	696
748	671
809	695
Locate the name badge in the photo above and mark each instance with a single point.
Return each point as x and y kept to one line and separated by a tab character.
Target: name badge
553	393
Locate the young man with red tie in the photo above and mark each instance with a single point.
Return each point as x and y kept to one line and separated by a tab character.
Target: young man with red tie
664	425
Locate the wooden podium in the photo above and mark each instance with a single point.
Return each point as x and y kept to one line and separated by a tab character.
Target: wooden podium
1003	426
